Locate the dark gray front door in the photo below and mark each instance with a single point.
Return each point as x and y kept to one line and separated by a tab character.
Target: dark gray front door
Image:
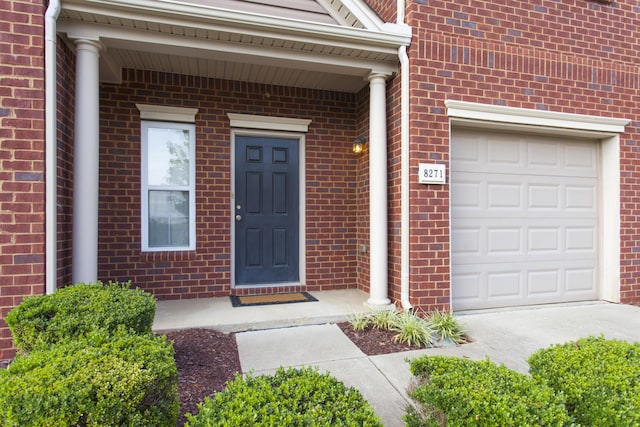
266	210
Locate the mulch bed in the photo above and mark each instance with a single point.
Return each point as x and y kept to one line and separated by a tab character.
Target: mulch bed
206	360
374	341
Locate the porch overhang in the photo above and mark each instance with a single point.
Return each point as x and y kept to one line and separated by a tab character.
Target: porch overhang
199	39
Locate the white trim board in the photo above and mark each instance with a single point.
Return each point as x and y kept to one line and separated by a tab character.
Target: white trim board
282	124
547	119
167	113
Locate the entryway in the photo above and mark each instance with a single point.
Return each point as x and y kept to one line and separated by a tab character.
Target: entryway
266	210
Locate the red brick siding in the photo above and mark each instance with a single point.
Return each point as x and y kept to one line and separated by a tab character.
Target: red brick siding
22	187
65	118
578	57
386	10
394	175
572	58
330	182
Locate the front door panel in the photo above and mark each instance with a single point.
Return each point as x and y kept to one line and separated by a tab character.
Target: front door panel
266	210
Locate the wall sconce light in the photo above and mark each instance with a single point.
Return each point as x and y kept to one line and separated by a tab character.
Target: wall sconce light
359	144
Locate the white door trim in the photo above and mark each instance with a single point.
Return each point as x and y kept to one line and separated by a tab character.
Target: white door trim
602	130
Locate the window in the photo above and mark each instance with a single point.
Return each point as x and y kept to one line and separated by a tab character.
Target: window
168	186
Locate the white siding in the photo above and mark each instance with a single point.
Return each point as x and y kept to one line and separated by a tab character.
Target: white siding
306	10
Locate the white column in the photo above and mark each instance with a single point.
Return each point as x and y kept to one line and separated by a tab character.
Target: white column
85	162
378	291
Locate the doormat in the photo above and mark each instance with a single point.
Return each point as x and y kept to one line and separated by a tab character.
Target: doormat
248	300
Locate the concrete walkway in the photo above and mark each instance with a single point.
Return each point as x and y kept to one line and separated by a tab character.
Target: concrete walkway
507	337
272	336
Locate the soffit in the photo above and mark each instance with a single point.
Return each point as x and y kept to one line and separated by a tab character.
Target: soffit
311	43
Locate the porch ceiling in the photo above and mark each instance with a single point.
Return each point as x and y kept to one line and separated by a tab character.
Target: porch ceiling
320	44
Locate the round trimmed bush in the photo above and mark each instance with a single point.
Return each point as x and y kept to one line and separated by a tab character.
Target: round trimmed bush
600	379
75	311
461	392
293	397
104	379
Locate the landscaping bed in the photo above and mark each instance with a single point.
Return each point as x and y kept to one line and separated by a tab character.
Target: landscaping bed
207	359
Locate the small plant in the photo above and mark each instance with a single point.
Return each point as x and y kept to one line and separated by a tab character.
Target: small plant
413	330
447	326
384	318
360	321
292	397
600	379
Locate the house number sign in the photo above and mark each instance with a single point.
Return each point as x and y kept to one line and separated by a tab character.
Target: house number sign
431	173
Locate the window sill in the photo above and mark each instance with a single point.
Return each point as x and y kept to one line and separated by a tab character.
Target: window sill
155	256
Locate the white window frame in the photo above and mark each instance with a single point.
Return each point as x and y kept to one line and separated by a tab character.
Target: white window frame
170	118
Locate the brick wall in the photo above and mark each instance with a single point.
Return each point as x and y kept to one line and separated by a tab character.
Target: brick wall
66	99
22	188
385	9
574	57
330	173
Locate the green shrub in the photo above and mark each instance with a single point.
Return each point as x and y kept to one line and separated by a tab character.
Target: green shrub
105	379
460	392
384	318
412	330
600	379
293	397
360	321
77	310
447	326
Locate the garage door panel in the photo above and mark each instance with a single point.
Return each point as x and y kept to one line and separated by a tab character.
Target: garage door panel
581	158
467	195
504	195
505	284
531	282
544	282
492	240
512	154
580	280
502	152
524	220
469	288
581	197
544	240
496	195
580	240
467	241
544	196
505	240
543	155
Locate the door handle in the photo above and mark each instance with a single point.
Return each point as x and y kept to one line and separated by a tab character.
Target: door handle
238	218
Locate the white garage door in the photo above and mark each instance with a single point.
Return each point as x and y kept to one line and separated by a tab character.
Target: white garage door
524	219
